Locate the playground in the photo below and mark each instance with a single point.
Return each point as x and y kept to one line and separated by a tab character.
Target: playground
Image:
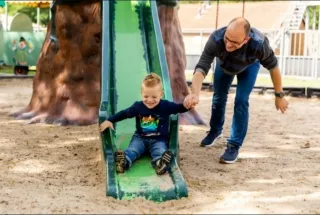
54	169
59	162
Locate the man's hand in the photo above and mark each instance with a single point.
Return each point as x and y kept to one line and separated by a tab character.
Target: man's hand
281	104
190	101
106	124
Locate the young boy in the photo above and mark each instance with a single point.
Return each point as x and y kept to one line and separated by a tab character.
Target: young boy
152	127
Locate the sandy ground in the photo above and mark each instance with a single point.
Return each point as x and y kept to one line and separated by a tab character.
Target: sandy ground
50	169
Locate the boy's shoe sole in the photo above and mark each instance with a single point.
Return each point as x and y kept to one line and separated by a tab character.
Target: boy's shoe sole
120	158
164	162
213	143
228	162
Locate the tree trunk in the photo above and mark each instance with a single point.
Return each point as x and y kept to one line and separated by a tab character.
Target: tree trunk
176	59
66	87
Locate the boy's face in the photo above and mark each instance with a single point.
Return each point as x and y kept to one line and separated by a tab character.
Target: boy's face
151	95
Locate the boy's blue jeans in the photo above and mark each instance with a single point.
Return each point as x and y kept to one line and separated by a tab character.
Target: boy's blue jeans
221	86
140	145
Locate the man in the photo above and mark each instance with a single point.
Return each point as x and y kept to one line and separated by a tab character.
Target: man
239	50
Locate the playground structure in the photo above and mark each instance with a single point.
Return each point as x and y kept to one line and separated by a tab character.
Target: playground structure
137	21
148	56
131	31
20	44
63	184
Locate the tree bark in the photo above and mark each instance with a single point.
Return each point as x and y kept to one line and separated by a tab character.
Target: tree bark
176	59
66	87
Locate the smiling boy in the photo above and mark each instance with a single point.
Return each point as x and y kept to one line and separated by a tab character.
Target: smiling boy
152	127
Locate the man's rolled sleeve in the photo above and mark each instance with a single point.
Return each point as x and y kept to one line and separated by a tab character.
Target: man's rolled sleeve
207	57
266	56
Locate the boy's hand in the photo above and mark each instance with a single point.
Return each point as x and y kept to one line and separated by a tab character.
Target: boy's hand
190	101
187	106
106	124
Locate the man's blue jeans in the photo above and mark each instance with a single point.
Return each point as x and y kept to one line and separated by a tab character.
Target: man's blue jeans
140	145
221	86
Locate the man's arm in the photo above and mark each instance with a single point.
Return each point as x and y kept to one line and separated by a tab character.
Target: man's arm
207	56
276	79
266	56
269	61
280	102
200	72
192	99
197	80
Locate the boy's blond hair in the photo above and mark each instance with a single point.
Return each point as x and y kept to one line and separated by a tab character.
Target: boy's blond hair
152	80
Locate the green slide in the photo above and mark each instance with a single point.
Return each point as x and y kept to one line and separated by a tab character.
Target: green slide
132	47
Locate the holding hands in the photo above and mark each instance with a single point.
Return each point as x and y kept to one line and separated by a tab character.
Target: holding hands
191	101
106	124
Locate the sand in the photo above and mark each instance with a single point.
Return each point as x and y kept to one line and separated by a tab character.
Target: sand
51	169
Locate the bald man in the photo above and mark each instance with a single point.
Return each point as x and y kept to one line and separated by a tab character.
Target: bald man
239	51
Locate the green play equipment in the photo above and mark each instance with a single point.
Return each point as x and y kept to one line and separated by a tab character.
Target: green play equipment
21	46
132	47
21	23
21	49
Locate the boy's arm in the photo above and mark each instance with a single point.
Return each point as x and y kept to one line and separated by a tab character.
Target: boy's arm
174	108
124	114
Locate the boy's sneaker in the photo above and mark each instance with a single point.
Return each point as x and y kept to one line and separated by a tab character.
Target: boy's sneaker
163	163
210	139
120	158
230	155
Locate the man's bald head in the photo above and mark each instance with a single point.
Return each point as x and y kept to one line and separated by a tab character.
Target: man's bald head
237	34
238	23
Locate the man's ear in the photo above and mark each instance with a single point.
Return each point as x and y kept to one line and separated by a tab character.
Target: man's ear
247	39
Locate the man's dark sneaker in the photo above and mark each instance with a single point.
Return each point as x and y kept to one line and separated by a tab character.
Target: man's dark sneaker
120	158
230	155
163	163
210	139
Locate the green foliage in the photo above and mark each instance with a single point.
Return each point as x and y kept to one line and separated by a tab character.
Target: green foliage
312	10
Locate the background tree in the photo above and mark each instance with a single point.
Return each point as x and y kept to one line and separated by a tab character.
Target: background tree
66	87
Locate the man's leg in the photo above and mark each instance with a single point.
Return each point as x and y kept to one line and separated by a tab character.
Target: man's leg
246	81
221	86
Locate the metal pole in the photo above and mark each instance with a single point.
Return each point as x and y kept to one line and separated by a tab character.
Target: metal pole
300	57
49	14
317	56
201	40
318	17
283	55
6	12
217	14
38	18
307	18
314	18
243	6
306	41
294	56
